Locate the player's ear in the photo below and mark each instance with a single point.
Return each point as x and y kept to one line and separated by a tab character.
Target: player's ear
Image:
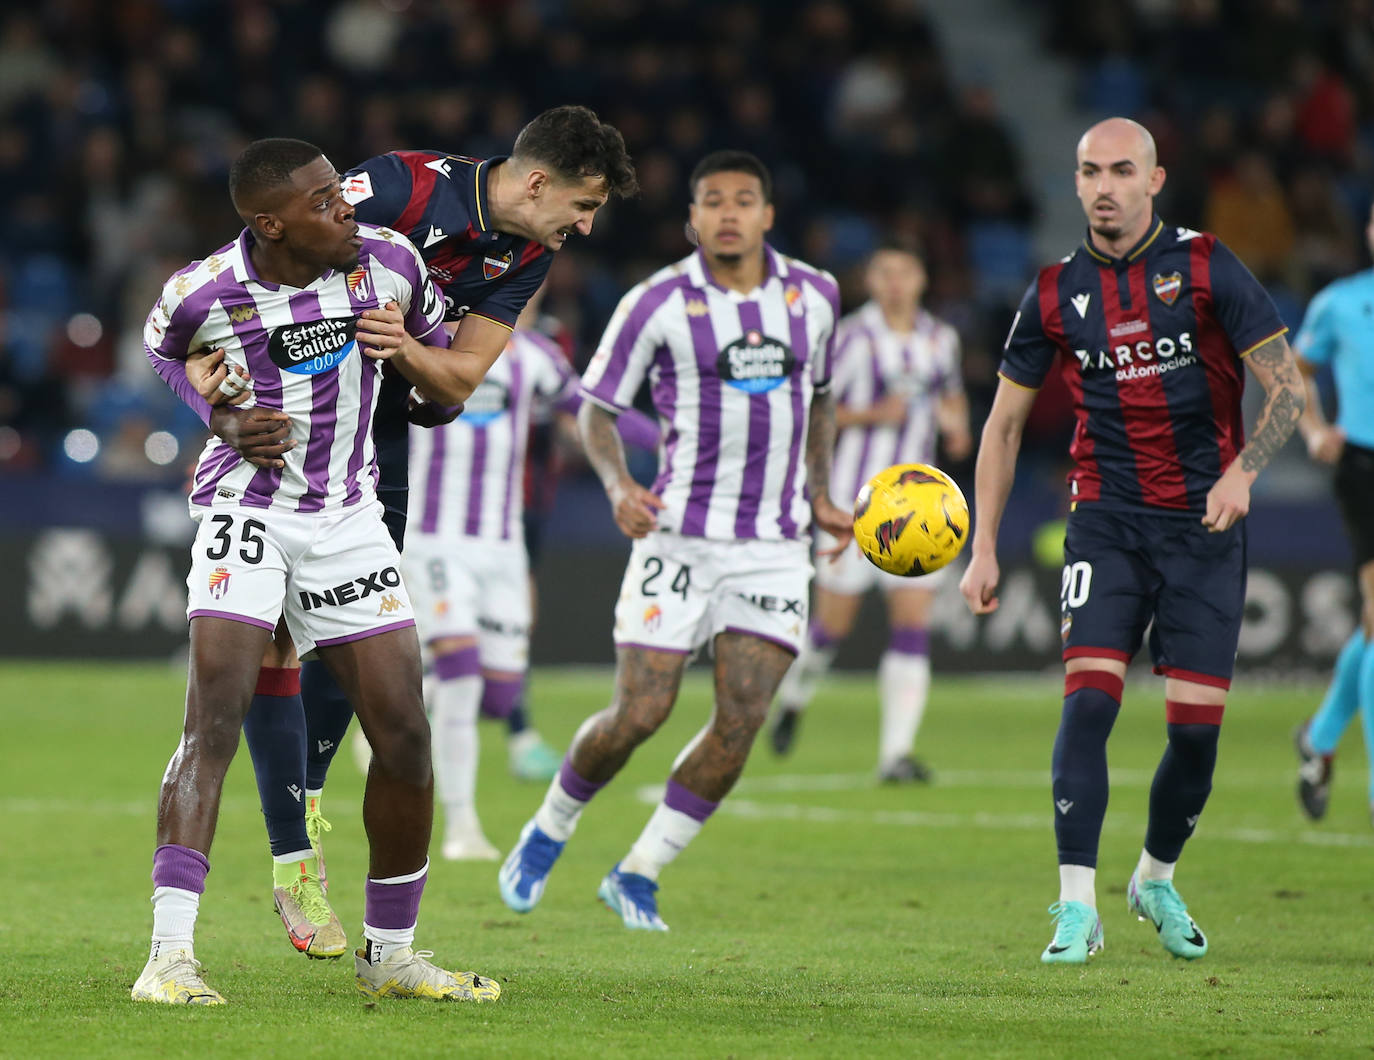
1157	180
267	225
537	182
768	217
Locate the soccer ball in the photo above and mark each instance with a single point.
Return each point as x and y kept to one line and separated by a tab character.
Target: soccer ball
910	519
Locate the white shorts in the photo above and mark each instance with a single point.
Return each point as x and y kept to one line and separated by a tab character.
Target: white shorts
853	575
468	586
335	576
679	592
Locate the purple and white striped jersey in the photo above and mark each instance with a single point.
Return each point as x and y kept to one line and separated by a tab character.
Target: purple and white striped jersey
299	347
732	377
873	361
470	474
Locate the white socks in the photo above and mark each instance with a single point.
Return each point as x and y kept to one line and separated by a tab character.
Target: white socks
1150	869
903	685
174	919
558	813
1077	884
663	839
453	721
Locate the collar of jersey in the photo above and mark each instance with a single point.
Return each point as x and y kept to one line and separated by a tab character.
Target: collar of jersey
481	205
1131	255
774	264
250	272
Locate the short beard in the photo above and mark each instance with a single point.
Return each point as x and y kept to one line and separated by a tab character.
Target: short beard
1108	230
729	259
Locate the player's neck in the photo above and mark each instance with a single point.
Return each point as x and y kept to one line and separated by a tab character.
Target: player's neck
503	203
276	266
900	319
1122	244
740	273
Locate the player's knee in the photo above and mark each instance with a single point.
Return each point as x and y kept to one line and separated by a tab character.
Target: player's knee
403	750
1195	744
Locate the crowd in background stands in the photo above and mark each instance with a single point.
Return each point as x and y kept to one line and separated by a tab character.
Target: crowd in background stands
118	123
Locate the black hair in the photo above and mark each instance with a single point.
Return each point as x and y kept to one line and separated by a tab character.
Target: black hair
731	162
899	245
265	164
574	143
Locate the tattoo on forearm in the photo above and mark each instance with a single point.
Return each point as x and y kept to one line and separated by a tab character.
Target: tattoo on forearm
820	444
1274	364
601	440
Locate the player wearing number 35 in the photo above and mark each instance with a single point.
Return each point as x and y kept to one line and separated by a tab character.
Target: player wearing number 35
735	341
1153	326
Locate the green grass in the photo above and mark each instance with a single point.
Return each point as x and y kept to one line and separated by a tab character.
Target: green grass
817	914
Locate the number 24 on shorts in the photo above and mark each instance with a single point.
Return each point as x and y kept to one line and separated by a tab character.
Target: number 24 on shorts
654	567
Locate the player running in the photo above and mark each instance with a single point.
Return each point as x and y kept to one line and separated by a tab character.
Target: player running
1152	325
735	341
291	302
897	381
487	229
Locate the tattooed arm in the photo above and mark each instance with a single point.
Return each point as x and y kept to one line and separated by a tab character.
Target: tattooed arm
634	507
820	448
1274	366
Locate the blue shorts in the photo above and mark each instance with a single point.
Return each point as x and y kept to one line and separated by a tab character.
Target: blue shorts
1124	571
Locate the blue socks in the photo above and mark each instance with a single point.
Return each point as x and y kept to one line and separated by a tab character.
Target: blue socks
1348	688
1092	700
1184	777
275	731
327	714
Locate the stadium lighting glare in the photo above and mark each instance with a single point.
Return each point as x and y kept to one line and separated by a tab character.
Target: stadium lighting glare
84	330
161	448
81	445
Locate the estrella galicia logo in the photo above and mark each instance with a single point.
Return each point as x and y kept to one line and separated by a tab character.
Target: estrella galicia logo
755	363
313	347
488	402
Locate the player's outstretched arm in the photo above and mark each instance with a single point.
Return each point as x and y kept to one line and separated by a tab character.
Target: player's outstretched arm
633	506
952	416
446	375
1274	365
820	450
1325	441
992	479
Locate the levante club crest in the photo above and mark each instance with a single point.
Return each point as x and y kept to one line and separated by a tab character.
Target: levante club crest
1167	287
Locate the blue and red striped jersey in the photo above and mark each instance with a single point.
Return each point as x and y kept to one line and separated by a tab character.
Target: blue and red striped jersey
1151	346
439	202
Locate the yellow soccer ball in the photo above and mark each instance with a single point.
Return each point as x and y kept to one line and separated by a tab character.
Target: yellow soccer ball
910	519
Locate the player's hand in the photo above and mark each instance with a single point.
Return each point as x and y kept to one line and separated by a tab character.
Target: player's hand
382	332
425	413
1228	501
958	444
215	380
261	436
635	508
1326	445
836	522
891	411
979	584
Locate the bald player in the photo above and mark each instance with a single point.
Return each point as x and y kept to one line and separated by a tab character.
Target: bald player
1155	325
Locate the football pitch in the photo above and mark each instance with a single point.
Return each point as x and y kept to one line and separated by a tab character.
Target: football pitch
816	915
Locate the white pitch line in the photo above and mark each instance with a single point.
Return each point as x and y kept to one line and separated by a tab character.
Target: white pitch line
652	794
980	778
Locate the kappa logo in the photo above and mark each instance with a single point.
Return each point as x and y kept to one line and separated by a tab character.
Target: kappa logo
1168	287
495	268
1064	805
1080	302
695	307
219	582
182	286
888	532
214	264
390	602
242	314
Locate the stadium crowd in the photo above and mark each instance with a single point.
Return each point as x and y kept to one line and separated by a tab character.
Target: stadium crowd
118	121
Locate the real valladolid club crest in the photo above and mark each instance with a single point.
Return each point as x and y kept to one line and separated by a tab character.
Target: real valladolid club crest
1167	287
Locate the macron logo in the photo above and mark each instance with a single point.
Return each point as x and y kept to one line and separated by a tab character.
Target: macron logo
436	234
1192	820
295	792
1064	805
1080	302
